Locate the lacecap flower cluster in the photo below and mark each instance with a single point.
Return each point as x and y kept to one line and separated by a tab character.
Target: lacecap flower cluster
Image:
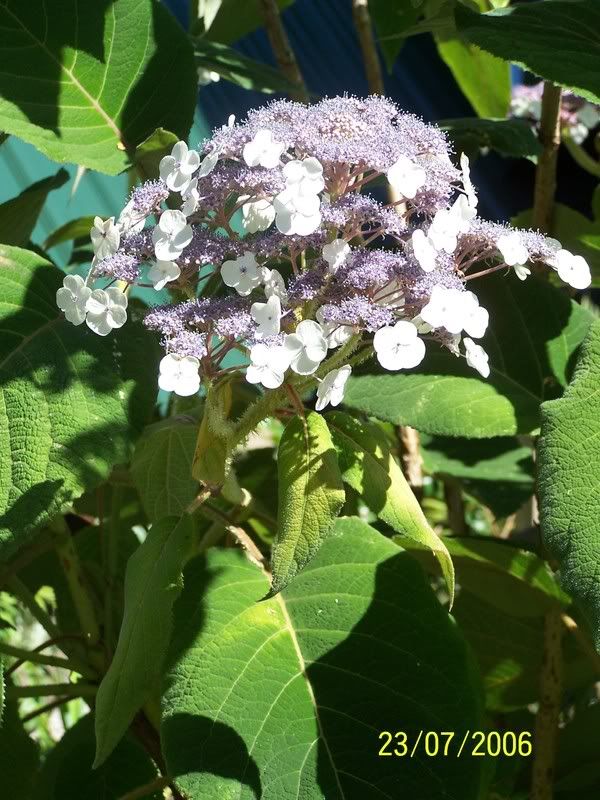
322	269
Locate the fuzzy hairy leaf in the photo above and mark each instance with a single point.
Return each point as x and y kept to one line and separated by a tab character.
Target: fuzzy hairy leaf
311	495
534	331
557	39
19	215
152	583
83	82
569	482
286	698
71	402
370	469
162	467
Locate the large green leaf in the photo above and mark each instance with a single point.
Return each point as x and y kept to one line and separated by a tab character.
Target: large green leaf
510	137
311	495
71	402
483	79
85	81
569	482
287	698
391	20
19	215
557	39
245	72
74	229
152	583
67	773
370	469
533	333
162	467
19	756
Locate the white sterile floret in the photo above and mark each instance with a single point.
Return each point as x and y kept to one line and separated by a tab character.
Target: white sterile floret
512	249
335	254
304	177
572	269
177	169
521	271
330	390
398	346
589	116
406	177
455	311
471	194
267	365
106	237
171	235
242	273
162	272
106	310
179	374
297	214
190	197
72	298
263	151
209	162
130	220
464	213
443	231
257	215
423	250
477	357
274	283
334	333
267	316
306	347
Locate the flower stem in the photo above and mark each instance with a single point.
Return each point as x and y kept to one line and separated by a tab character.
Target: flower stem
545	174
282	49
364	30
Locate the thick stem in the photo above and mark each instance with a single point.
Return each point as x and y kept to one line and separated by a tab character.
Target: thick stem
282	49
53	690
456	506
546	728
21	592
34	657
364	30
545	175
411	460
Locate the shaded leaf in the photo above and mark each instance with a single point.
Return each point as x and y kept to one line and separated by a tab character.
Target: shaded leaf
534	331
83	82
74	229
19	756
311	495
510	137
370	469
286	698
152	583
233	19
18	216
245	72
569	482
162	467
71	402
392	20
149	153
559	40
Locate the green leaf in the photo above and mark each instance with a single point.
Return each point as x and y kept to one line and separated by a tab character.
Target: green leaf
510	137
241	70
557	39
311	495
498	471
569	482
74	229
71	402
286	698
67	773
515	581
19	215
152	583
510	652
370	469
19	756
162	467
233	19
534	331
84	82
483	79
392	20
149	153
575	231
578	755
